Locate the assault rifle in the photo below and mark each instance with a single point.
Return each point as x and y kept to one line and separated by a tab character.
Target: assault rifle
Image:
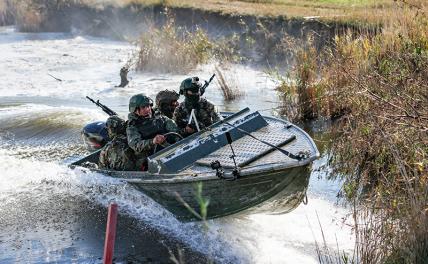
203	88
103	107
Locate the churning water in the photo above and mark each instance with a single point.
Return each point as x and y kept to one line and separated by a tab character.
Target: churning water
51	213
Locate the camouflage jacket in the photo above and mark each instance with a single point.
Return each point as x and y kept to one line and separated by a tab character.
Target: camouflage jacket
204	111
116	155
141	131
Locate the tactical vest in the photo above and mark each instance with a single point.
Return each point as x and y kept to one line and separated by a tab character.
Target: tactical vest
201	113
150	127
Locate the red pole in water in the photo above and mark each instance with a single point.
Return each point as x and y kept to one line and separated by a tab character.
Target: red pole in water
110	234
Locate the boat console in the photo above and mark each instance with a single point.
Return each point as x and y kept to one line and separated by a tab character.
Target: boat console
185	152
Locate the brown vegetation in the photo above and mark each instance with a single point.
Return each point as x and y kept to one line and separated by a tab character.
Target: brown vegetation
337	10
37	15
228	87
377	87
171	49
302	92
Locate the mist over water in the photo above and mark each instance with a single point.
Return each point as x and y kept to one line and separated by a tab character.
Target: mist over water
51	213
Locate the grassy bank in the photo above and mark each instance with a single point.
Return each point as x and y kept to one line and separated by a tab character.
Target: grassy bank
338	10
376	87
348	11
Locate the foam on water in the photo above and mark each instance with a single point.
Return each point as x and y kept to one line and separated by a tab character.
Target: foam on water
48	178
85	65
291	238
62	115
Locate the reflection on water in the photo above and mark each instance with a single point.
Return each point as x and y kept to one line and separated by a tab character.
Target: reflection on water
49	213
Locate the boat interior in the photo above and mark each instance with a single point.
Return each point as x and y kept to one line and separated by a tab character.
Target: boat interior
239	141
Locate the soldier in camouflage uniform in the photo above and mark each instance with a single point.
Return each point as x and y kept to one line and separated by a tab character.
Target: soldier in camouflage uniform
203	109
166	102
116	154
145	130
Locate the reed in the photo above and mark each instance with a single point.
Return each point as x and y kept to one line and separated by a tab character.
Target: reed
228	87
4	10
376	87
28	16
172	49
301	90
380	141
41	15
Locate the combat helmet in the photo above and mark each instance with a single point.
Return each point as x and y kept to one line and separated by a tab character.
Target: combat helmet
115	126
139	100
192	84
166	96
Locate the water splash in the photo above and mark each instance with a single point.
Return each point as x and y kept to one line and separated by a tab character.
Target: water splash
40	180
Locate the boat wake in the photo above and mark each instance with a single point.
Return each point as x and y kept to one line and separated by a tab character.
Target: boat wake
42	132
25	180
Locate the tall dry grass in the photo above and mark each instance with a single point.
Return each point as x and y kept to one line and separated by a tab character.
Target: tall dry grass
29	15
40	15
302	91
171	49
379	86
4	11
376	86
227	85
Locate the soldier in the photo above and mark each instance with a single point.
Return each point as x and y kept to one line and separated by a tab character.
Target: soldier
145	130
123	77
166	102
204	110
116	154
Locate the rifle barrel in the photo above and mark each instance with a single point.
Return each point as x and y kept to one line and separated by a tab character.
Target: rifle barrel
206	84
106	109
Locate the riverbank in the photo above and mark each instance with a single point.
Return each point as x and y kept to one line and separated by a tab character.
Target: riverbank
344	11
376	90
261	37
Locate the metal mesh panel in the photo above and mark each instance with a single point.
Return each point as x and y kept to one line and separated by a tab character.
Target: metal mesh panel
248	149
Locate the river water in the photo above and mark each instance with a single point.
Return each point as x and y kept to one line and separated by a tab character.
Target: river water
51	213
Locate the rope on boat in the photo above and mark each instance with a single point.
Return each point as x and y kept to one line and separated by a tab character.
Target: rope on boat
298	157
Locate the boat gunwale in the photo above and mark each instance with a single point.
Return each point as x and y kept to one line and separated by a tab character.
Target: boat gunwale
179	177
196	177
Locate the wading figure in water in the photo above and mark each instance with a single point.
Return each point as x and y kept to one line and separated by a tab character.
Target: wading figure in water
123	77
